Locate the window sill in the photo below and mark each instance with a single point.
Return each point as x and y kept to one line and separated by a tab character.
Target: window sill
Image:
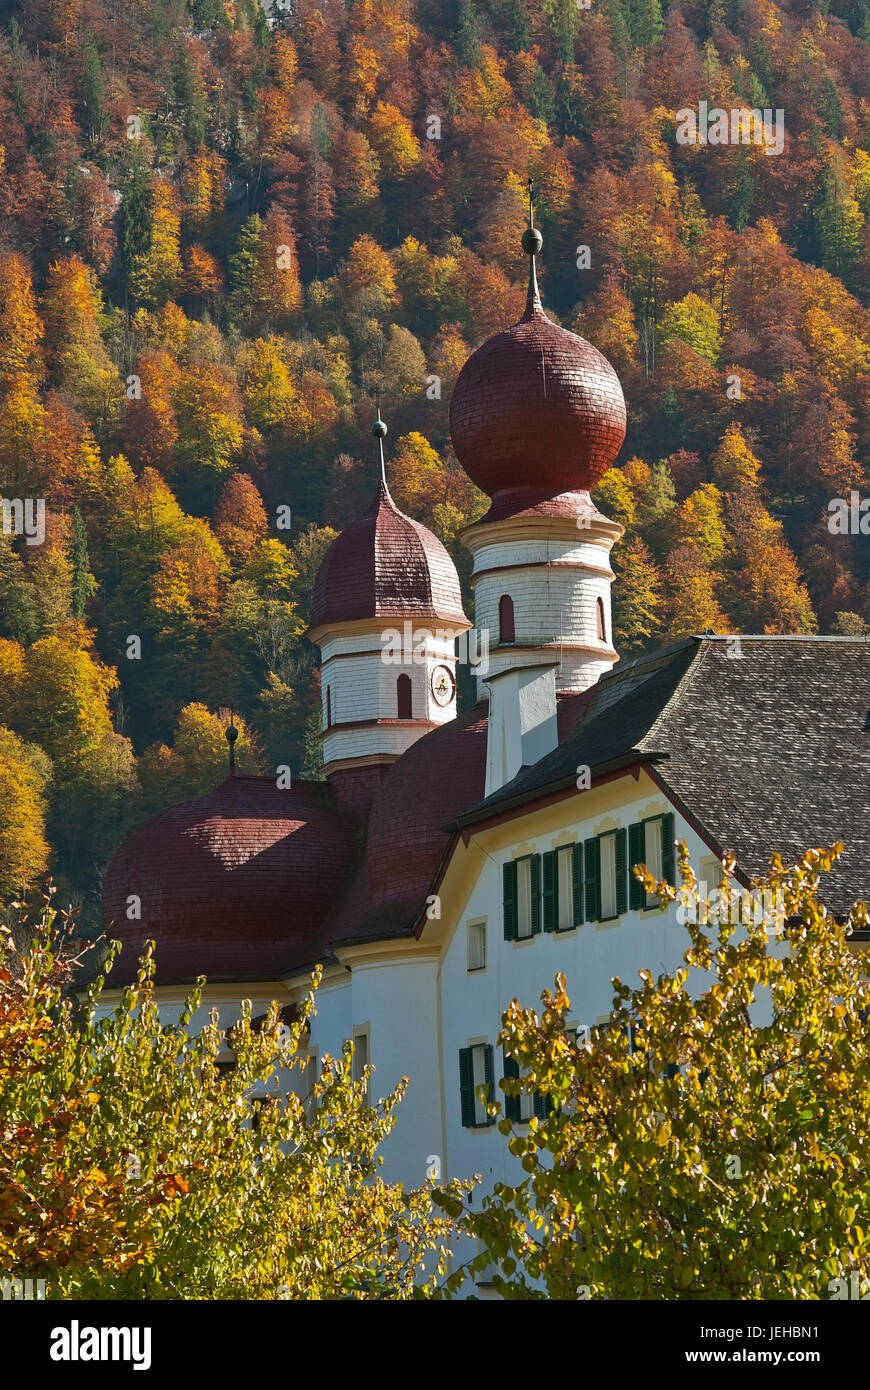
475	969
653	909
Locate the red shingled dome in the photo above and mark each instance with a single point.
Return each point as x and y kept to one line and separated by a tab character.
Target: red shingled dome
386	565
232	884
537	406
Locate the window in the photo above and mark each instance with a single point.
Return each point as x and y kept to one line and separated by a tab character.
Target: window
403	696
521	1108
360	1052
476	946
562	871
599	619
565	889
522	897
604	865
607	845
328	708
653	853
483	1278
259	1104
651	842
475	1075
506	631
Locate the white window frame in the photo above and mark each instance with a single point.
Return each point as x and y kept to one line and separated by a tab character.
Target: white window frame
478	928
524	897
362	1033
565	888
650	824
478	1071
607	882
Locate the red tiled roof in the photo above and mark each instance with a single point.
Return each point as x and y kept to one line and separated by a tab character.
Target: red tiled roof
439	776
231	884
386	565
527	501
537	405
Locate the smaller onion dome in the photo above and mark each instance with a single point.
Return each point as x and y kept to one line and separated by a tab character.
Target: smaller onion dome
537	406
386	565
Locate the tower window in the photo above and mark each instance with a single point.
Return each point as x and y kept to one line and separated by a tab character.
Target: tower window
506	619
328	708
599	617
403	696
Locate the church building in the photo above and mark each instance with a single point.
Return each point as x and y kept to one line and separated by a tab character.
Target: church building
451	862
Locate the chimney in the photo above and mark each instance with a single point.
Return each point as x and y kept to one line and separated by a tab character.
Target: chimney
522	720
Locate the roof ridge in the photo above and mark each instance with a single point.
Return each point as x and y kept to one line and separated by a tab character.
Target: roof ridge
687	679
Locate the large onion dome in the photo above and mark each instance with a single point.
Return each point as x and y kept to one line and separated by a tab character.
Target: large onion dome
537	406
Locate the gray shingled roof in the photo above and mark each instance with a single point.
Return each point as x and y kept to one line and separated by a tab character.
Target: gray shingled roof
765	751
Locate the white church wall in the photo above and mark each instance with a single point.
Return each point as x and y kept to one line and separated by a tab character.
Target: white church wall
590	955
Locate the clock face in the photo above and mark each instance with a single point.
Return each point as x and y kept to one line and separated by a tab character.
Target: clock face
443	685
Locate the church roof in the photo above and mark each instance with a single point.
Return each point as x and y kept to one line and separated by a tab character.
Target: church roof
386	565
230	885
440	775
762	742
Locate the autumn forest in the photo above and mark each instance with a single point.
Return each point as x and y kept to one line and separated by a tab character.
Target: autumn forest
224	226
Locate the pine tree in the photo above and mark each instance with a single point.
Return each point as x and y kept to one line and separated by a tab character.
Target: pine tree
82	581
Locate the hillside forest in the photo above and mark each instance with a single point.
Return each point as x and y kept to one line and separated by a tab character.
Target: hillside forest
223	226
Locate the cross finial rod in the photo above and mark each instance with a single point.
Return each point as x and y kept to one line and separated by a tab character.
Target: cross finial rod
379	430
231	734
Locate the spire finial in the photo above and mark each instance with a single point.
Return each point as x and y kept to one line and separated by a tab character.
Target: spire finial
231	734
379	430
532	243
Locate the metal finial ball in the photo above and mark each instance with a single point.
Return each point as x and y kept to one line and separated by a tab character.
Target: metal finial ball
231	733
379	429
532	241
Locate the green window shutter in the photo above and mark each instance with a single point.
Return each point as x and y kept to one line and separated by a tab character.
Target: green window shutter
577	882
668	849
466	1086
550	876
535	876
621	885
543	1105
592	879
511	1103
636	895
510	901
489	1075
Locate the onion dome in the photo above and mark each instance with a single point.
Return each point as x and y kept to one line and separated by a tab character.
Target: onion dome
386	565
231	885
537	406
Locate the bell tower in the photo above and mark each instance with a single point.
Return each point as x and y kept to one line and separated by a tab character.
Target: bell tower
386	612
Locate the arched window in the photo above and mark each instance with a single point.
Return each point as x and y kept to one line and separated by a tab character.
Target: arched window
599	615
403	696
328	708
506	618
